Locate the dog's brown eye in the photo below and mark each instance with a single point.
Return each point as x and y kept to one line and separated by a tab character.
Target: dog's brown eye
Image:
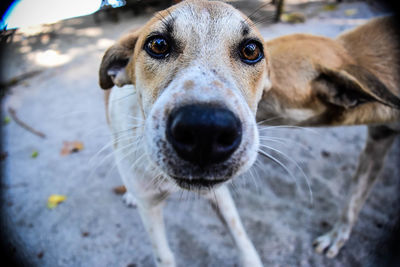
157	47
251	52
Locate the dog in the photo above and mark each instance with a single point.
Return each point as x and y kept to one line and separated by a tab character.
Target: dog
198	72
351	80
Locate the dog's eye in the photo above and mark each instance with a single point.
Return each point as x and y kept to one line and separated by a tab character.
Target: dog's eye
251	52
157	47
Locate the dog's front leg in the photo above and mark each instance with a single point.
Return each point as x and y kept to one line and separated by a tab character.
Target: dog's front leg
223	204
371	160
150	209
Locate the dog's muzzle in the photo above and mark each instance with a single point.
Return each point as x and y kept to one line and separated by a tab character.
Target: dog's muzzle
204	134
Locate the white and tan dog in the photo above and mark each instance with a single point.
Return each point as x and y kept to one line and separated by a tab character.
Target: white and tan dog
201	72
354	79
198	71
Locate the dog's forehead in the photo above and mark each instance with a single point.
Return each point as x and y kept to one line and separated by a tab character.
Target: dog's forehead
202	21
208	19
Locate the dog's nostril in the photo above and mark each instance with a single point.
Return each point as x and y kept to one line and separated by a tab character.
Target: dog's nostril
204	134
182	134
227	138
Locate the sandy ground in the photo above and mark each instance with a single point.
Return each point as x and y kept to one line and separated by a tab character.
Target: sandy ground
94	228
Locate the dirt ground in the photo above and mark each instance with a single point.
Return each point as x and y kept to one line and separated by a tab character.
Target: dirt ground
93	227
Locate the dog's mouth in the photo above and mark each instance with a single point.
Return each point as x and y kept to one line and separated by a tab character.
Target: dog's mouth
198	183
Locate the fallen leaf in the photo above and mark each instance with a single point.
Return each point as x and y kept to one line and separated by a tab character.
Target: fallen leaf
71	147
40	254
350	12
6	120
325	154
54	200
3	155
329	7
294	17
85	234
34	154
119	190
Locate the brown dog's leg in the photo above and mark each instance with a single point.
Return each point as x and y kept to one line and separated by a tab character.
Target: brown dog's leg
380	138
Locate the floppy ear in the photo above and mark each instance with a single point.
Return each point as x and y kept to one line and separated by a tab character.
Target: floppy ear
351	86
112	68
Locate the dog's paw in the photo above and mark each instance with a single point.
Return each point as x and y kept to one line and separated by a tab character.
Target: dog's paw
331	242
129	200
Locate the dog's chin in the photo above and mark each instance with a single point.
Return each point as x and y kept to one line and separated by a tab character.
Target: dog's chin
199	178
198	184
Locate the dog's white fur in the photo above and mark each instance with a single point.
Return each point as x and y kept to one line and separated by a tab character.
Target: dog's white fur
147	188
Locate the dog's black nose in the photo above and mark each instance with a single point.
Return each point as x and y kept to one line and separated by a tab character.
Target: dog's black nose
204	134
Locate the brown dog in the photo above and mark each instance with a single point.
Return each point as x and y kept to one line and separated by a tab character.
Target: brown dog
354	79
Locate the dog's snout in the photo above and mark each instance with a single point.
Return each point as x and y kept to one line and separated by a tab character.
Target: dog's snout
204	134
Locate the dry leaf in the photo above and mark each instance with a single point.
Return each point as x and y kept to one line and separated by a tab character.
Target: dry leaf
54	200
350	12
3	155
71	147
329	7
119	190
40	254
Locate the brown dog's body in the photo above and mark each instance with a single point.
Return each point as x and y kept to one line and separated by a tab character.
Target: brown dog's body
355	79
311	74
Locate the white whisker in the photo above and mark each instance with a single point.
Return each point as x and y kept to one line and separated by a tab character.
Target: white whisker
267	120
124	97
122	159
136	161
108	156
268	139
108	145
265	154
263	128
276	139
298	167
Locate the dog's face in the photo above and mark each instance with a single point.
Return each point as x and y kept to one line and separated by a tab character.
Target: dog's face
199	70
315	81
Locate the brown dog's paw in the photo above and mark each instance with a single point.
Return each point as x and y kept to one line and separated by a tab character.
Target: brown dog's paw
331	242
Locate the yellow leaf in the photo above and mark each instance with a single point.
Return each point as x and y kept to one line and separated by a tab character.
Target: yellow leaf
294	17
329	7
6	120
71	147
350	12
78	145
54	200
34	154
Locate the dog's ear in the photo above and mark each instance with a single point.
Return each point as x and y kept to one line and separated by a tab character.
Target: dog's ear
112	68
351	86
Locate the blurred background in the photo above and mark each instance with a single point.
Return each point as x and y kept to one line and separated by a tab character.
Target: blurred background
60	191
